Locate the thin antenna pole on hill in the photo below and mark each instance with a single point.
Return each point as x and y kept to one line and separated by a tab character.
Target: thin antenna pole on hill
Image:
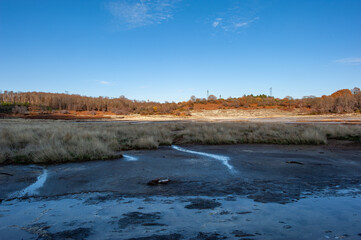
207	94
270	92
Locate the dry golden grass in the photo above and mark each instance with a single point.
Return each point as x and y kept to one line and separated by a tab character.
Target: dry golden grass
42	141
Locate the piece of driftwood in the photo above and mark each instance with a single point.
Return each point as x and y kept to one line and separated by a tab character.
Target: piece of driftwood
7	174
158	181
295	162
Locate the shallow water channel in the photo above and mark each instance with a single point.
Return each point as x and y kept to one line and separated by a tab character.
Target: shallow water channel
215	192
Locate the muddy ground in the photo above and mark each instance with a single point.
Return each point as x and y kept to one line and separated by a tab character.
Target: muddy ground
215	192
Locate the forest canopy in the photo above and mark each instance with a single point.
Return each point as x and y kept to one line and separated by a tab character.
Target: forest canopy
342	101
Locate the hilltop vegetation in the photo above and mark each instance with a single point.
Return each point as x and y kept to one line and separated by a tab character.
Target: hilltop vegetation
342	101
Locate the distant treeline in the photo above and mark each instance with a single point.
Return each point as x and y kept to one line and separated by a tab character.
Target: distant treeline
41	101
342	101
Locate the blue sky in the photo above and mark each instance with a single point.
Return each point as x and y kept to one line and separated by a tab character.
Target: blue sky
169	50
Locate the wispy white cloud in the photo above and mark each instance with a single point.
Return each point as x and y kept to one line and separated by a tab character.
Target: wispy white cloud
104	82
351	61
232	24
217	22
239	15
138	13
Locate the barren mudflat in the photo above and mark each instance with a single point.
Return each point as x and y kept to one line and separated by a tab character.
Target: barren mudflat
263	192
250	115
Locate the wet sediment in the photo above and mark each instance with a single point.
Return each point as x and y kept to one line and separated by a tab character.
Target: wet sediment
268	188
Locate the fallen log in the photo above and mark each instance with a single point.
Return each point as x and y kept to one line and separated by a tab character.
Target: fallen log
158	181
8	174
295	162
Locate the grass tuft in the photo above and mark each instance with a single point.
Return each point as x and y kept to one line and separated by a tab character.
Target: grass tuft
39	141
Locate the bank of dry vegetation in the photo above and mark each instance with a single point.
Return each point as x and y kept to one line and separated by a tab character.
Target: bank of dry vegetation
32	141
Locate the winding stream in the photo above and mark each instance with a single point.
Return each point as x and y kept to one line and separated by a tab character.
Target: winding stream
33	188
223	159
130	158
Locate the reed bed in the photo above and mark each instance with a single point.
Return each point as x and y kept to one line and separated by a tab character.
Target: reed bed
39	141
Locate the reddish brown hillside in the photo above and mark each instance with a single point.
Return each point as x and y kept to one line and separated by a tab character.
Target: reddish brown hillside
341	93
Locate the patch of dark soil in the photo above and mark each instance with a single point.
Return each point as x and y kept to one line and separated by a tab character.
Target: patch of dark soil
343	144
138	218
42	230
76	234
288	155
208	236
173	236
268	197
238	233
154	224
201	203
